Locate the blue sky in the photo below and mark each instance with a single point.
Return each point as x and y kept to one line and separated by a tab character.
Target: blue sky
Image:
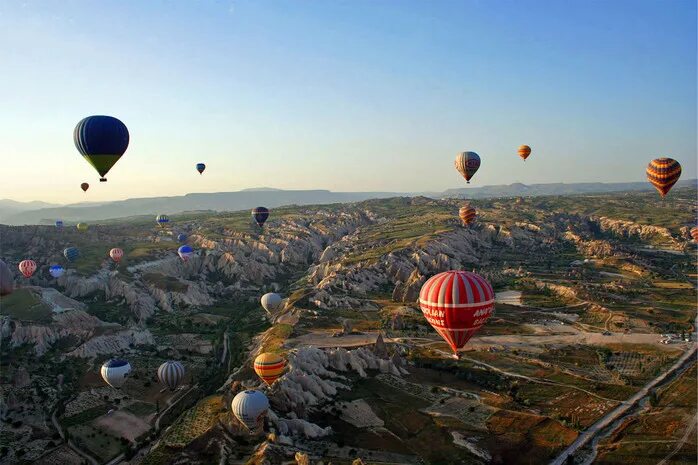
344	95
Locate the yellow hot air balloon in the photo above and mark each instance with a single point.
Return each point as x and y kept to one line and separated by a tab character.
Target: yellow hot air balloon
82	227
269	367
524	151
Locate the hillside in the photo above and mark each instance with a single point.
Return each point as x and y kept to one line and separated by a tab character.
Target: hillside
588	286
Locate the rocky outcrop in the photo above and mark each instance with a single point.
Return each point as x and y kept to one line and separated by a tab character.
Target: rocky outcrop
113	343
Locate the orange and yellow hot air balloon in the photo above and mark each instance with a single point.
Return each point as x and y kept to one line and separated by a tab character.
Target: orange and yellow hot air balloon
663	174
524	151
269	367
467	214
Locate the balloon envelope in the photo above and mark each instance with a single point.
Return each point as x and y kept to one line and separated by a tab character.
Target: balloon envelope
250	407
56	271
171	374
456	304
467	214
272	302
185	252
663	173
116	254
84	186
115	372
200	167
27	268
269	367
59	224
694	233
467	164
524	151
71	253
260	215
162	220
82	227
102	140
6	282
182	237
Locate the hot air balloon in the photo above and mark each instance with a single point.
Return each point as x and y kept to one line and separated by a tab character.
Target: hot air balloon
82	227
116	254
271	302
524	151
115	372
84	186
260	215
182	237
250	407
269	367
185	252
200	167
27	268
694	233
71	253
6	282
59	224
456	304
171	374
663	174
102	140
467	214
467	163
56	271
162	220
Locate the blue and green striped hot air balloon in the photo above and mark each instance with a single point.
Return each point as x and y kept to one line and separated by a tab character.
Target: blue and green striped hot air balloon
71	254
102	140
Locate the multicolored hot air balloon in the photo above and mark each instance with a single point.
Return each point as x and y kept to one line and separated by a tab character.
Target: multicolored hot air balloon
59	224
260	215
663	174
200	167
694	233
56	271
181	237
162	220
102	140
115	372
269	367
456	304
84	186
467	164
171	374
116	254
250	408
71	253
467	214
27	268
185	252
7	284
524	151
82	227
272	302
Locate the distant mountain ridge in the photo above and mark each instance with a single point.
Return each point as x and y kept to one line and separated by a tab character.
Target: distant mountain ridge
18	213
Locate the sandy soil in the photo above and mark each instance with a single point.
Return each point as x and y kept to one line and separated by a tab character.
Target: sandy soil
123	424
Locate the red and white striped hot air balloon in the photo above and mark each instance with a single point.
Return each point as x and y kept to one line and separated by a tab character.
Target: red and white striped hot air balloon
116	254
694	234
27	268
456	304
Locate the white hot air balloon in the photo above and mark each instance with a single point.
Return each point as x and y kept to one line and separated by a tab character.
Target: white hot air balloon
171	374
250	407
115	372
272	302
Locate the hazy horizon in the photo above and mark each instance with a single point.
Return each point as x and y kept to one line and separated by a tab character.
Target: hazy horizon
358	96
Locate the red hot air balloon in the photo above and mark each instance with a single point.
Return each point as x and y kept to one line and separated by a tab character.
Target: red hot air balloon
694	234
663	173
456	304
116	254
84	186
27	268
